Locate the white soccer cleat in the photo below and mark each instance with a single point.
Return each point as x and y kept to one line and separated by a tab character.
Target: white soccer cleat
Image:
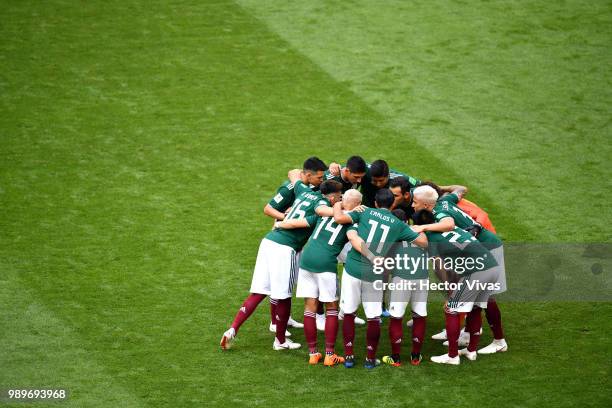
320	322
445	359
359	320
295	324
272	329
464	340
287	345
409	323
498	346
227	339
471	355
440	336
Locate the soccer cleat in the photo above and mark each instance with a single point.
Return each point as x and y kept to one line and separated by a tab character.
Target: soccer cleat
314	358
498	346
349	361
333	359
416	358
464	340
359	320
320	322
471	355
371	363
287	345
391	361
227	339
272	329
409	323
440	336
294	324
446	359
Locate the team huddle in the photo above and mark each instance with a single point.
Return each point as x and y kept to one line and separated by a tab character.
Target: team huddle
388	230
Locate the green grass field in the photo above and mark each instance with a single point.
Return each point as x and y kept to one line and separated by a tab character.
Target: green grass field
141	140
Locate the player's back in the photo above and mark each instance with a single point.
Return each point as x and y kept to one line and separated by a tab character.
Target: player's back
447	206
462	248
379	228
304	206
324	245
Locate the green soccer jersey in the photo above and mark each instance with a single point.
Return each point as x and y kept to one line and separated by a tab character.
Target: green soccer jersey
325	244
285	196
304	206
411	261
460	251
369	190
379	228
447	207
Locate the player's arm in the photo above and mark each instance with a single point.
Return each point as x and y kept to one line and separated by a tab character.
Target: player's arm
360	245
409	234
292	224
334	169
421	240
445	224
273	212
279	203
341	218
457	190
324	211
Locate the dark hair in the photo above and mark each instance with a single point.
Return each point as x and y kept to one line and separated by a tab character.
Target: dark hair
401	214
384	198
356	164
379	168
423	217
432	185
400	182
314	164
330	187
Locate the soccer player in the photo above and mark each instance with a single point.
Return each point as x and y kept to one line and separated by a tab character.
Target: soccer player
317	279
459	247
410	280
276	266
350	175
312	175
400	188
379	228
378	176
447	215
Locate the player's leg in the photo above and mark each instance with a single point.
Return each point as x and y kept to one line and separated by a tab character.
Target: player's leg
418	303
350	297
272	327
459	301
474	325
321	317
283	275
477	299
310	329
493	314
328	294
291	322
260	288
398	301
245	311
386	295
307	288
372	306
